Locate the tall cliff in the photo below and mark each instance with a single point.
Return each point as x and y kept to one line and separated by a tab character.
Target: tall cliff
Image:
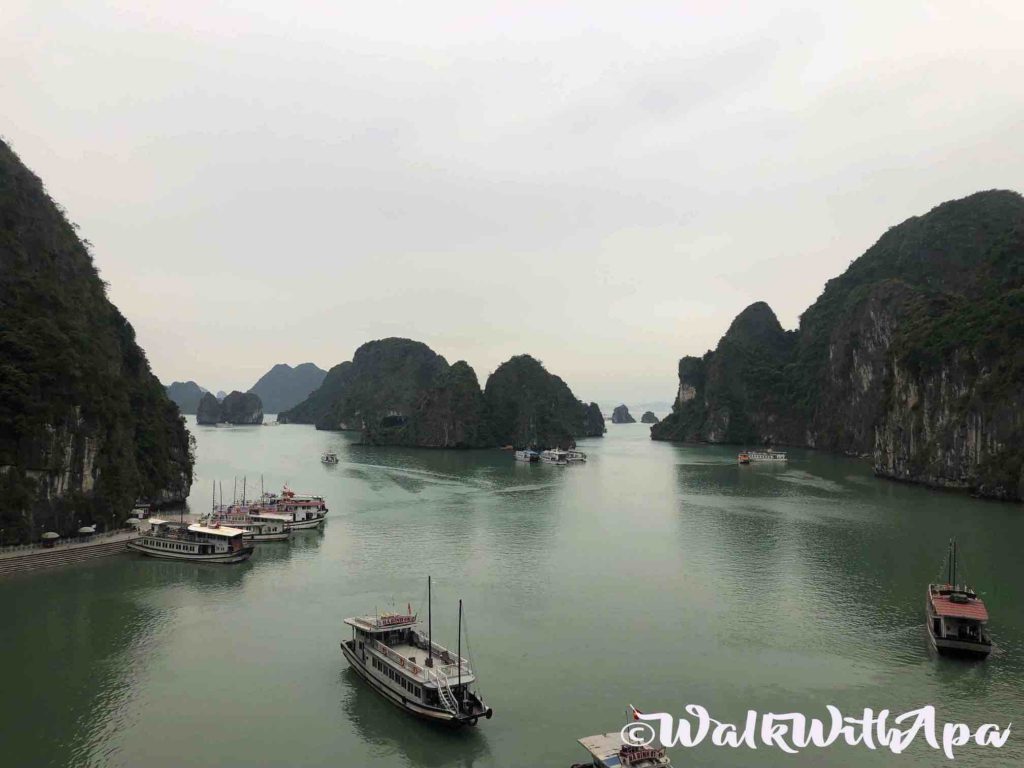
85	427
284	387
913	356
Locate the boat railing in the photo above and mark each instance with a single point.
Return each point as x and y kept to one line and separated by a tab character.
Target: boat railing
447	669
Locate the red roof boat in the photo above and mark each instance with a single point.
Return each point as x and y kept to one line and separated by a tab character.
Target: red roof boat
956	615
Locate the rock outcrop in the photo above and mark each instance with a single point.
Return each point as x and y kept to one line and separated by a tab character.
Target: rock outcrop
621	415
400	392
85	427
911	356
648	418
315	408
186	395
284	387
593	421
208	410
241	408
530	407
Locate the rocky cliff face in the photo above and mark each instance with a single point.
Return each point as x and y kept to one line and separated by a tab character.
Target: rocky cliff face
912	356
241	408
284	387
208	410
621	415
648	418
85	427
316	407
186	395
593	421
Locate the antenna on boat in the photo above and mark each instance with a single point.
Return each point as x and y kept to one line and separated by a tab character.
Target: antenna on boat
459	660
430	632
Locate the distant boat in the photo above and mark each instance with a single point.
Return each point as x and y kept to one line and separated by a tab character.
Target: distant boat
554	456
957	617
527	456
766	454
608	751
329	458
743	457
180	541
410	670
575	456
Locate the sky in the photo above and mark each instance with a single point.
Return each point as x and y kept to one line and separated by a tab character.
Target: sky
601	185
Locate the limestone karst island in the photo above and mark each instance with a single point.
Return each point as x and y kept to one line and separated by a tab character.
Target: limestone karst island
511	386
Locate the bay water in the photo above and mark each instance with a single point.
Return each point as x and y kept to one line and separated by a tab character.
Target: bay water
656	575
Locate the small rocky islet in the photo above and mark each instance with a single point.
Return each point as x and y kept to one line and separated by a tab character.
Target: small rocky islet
621	415
235	408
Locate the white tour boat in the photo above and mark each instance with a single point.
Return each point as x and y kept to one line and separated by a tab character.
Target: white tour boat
554	456
575	456
411	671
329	458
766	454
257	524
607	750
527	456
201	543
302	511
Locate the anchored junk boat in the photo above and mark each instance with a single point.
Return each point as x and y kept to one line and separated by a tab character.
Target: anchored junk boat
957	617
202	543
763	455
411	671
554	456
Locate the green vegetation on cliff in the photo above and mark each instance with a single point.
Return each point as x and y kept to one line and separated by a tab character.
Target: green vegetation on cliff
400	392
530	407
914	354
85	427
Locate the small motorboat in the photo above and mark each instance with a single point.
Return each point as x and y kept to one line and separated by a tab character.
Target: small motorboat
608	751
743	457
329	458
528	456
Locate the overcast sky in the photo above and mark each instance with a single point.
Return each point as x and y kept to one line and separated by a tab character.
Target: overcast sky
602	185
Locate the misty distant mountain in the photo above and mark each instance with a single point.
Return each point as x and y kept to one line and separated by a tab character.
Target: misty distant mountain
284	387
186	394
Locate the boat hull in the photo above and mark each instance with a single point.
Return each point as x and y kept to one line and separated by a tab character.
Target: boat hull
434	714
237	556
302	525
258	537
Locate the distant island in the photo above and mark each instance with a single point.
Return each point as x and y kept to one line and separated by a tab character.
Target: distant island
400	392
648	418
186	395
283	387
236	408
621	415
911	356
85	427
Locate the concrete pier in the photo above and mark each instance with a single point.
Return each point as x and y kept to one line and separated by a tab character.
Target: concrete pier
36	557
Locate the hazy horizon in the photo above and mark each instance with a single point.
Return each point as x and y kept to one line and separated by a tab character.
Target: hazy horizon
601	186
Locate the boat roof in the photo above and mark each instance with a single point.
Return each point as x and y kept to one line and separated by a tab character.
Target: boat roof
257	514
973	609
221	530
384	622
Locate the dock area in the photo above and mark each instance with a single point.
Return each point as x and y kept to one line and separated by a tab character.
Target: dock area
33	557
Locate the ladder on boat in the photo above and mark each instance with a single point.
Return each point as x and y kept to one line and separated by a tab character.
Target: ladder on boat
444	692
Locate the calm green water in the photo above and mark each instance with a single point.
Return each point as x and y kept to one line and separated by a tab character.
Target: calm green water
656	575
